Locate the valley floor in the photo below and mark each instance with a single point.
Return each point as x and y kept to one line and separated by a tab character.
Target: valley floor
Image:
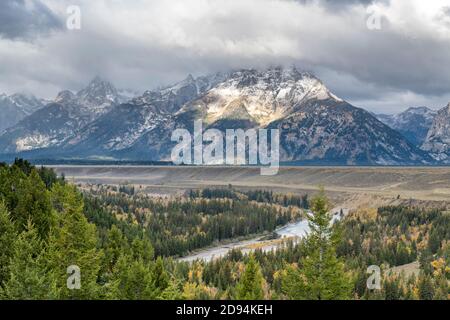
349	187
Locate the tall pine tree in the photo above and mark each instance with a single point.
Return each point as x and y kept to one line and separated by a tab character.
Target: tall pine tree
320	275
29	277
133	280
8	237
74	243
33	202
250	286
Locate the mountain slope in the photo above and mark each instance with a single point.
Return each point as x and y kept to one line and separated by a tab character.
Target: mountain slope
258	96
52	124
123	126
437	141
335	132
16	107
315	126
412	123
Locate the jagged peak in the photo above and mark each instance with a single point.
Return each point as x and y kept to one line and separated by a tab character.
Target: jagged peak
99	92
445	110
98	83
189	78
64	96
420	109
98	80
279	79
25	96
274	77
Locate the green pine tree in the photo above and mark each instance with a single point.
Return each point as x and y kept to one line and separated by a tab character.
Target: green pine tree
160	276
33	202
115	246
8	237
321	274
74	243
29	277
173	291
250	285
133	280
142	249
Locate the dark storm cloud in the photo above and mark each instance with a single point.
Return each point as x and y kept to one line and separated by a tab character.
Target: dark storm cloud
26	19
142	44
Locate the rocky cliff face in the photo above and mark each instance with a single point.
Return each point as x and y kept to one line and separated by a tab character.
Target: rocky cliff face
437	142
15	107
52	124
412	123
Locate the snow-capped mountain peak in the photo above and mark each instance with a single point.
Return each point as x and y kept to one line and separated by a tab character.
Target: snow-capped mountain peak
260	96
15	107
27	102
99	95
315	126
65	96
52	124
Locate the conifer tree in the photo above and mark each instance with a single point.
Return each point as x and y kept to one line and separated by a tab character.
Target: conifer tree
172	292
8	237
115	246
33	202
74	243
160	276
134	280
321	274
29	277
142	249
250	286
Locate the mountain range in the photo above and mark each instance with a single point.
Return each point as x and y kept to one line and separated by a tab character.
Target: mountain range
427	129
60	119
16	107
316	126
413	124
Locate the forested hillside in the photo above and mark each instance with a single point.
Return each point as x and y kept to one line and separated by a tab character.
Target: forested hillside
126	244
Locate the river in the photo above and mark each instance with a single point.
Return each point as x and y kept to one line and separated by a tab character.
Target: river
292	231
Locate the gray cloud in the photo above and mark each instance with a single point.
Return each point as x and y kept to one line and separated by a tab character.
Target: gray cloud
26	19
143	44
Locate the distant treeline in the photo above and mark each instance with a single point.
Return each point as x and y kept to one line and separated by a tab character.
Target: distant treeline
262	196
177	227
87	162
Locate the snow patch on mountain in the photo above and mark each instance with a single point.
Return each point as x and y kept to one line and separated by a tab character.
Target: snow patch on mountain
16	107
52	124
266	95
33	142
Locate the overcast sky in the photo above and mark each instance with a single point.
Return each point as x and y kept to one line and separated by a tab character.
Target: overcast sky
141	44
